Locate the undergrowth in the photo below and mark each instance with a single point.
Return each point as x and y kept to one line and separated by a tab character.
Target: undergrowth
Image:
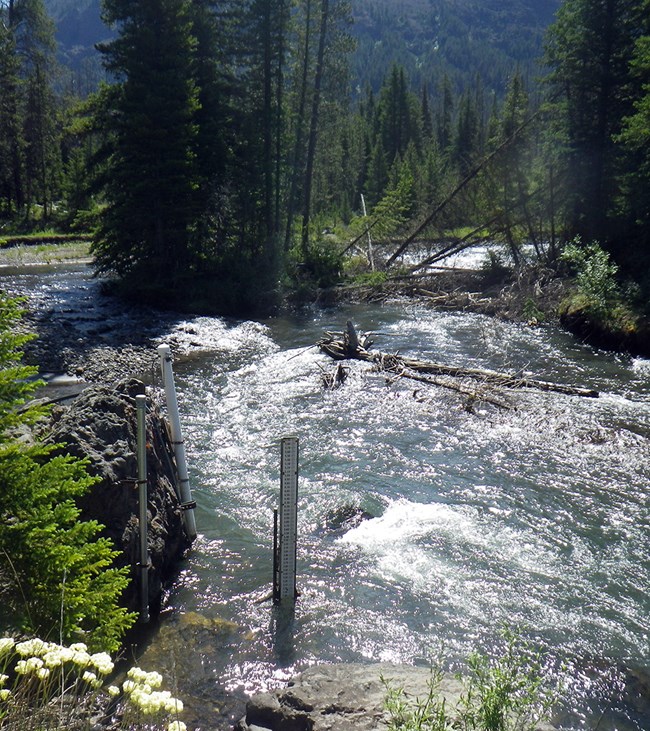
507	692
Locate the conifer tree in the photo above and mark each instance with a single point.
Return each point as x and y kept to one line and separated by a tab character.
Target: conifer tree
589	50
151	176
29	133
56	574
634	141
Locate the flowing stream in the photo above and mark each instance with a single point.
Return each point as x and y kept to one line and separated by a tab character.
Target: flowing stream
535	516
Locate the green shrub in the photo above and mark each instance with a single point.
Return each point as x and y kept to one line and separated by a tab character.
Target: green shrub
371	279
508	692
595	275
58	578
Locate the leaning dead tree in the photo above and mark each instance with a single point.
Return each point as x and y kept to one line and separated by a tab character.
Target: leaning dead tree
352	345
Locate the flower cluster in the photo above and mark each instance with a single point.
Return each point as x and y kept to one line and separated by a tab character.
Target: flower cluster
49	655
142	687
34	662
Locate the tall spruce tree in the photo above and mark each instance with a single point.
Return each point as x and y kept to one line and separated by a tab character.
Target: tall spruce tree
634	141
151	177
589	50
29	129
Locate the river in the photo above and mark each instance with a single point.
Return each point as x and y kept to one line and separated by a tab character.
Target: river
535	516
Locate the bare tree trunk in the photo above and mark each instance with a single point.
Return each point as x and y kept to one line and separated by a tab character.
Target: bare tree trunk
313	125
300	124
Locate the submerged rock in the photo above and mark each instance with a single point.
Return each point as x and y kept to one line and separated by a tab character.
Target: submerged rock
345	517
100	425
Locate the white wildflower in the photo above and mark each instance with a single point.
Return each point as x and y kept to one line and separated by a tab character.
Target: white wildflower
3	679
173	705
31	647
6	644
43	673
52	660
128	686
21	667
66	654
137	674
153	679
88	676
78	647
103	662
80	658
176	726
5	694
113	691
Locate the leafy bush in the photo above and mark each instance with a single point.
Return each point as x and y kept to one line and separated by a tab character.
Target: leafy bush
595	275
509	692
58	578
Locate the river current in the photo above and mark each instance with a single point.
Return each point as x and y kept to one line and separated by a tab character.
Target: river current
535	516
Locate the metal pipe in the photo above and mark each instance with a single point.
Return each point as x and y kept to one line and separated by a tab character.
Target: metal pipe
187	504
141	407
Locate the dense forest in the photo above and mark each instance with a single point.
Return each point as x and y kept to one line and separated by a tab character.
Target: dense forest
236	147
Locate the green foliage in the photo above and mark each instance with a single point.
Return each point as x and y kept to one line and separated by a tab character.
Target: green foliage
507	692
429	714
321	264
531	311
393	210
30	129
595	275
151	176
589	51
371	279
58	578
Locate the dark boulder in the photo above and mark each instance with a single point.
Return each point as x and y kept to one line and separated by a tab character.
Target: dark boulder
100	425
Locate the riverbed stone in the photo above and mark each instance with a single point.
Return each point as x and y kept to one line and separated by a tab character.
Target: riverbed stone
344	697
100	425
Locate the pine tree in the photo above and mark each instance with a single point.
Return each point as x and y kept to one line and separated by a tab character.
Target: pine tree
11	140
151	172
444	117
57	578
589	50
427	119
29	133
634	142
466	141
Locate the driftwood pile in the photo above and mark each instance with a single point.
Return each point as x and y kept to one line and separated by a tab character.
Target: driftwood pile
472	382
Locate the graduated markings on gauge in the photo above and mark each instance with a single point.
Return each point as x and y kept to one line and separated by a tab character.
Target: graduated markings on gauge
288	518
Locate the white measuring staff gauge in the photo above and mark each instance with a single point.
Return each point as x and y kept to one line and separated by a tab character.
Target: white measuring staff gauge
288	519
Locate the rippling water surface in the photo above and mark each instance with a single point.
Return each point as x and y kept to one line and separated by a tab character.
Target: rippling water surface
536	516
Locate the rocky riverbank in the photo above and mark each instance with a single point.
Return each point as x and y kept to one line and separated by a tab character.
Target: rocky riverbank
345	697
100	426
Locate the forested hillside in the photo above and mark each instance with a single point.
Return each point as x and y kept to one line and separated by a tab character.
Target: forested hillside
230	147
457	38
431	39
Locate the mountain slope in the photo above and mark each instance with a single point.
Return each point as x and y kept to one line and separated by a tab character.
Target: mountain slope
430	38
459	38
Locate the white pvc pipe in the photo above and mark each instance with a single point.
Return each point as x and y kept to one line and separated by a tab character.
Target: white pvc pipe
141	406
187	504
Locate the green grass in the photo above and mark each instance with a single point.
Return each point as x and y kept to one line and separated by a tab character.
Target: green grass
71	249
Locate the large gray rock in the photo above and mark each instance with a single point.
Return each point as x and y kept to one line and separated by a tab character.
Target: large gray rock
100	425
343	697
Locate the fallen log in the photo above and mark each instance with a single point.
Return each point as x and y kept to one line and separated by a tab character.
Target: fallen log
343	346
